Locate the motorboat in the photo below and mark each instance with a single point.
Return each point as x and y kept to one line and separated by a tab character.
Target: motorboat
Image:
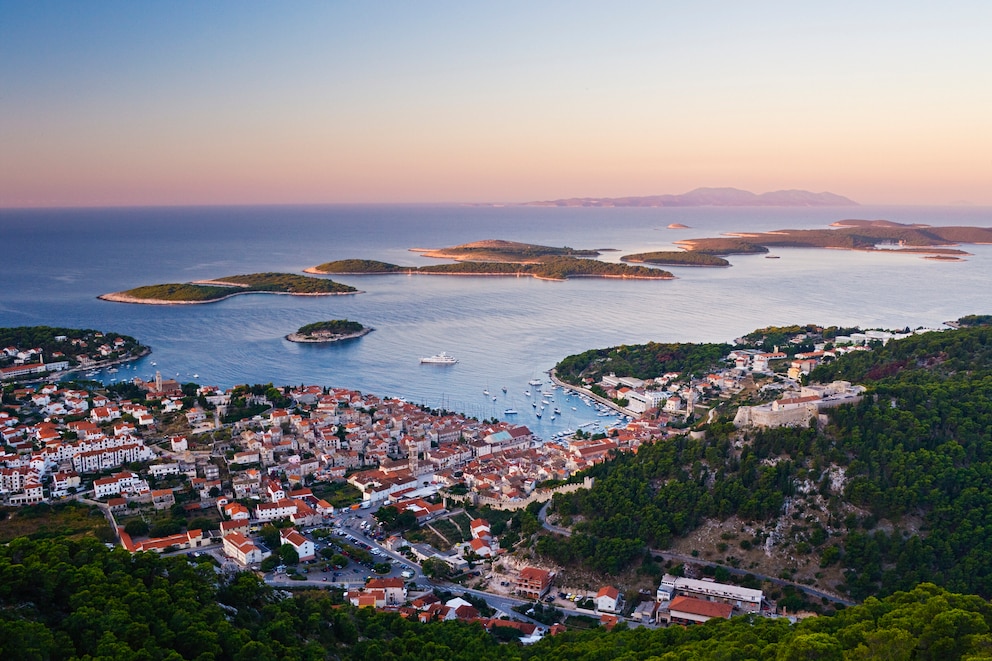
439	359
510	412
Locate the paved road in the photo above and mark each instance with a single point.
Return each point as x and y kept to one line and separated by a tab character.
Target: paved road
813	592
542	516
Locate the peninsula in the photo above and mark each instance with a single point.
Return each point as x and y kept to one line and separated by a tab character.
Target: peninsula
852	234
326	332
37	352
211	291
503	258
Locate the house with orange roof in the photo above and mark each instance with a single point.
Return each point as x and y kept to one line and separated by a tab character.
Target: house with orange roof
242	550
183	540
532	582
304	547
480	547
689	610
608	600
284	509
239	525
163	498
393	589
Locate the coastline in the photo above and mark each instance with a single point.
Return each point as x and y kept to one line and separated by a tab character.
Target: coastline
82	369
413	271
122	297
676	264
306	339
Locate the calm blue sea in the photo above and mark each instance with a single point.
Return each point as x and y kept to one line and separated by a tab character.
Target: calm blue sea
504	331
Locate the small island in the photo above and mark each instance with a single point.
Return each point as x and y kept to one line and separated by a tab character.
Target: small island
676	258
496	250
326	332
211	291
503	258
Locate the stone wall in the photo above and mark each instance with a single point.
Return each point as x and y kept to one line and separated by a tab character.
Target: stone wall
538	496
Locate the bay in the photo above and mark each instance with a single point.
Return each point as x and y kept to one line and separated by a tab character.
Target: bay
504	331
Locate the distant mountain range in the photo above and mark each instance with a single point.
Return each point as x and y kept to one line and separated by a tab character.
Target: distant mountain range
710	197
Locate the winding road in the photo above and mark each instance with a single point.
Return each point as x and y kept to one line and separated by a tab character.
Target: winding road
678	557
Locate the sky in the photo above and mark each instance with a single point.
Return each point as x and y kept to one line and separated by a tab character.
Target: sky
111	103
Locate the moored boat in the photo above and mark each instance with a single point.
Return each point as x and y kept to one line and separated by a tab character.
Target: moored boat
439	359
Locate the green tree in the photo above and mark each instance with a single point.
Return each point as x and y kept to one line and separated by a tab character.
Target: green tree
289	555
811	647
136	527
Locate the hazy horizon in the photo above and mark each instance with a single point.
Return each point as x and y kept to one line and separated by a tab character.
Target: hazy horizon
250	103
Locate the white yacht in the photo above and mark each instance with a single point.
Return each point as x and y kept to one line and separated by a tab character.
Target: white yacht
440	359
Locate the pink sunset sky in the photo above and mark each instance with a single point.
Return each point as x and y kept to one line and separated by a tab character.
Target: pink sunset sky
123	103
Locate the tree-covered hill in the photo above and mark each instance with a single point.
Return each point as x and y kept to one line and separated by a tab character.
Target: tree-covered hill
676	258
332	327
643	361
208	291
62	599
551	267
71	343
896	489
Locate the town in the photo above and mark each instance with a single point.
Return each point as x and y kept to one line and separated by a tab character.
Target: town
341	485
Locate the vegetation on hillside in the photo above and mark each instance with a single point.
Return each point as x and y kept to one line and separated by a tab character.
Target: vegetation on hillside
286	283
975	320
78	342
553	268
495	250
62	599
289	283
358	266
332	327
676	258
181	292
915	454
644	361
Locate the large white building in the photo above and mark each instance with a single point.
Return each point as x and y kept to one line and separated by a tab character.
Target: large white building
746	600
242	550
304	547
640	401
283	509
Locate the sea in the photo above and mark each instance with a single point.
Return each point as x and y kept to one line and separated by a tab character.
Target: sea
504	332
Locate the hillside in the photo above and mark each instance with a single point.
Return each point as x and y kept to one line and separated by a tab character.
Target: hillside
66	599
888	493
676	258
497	250
546	267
